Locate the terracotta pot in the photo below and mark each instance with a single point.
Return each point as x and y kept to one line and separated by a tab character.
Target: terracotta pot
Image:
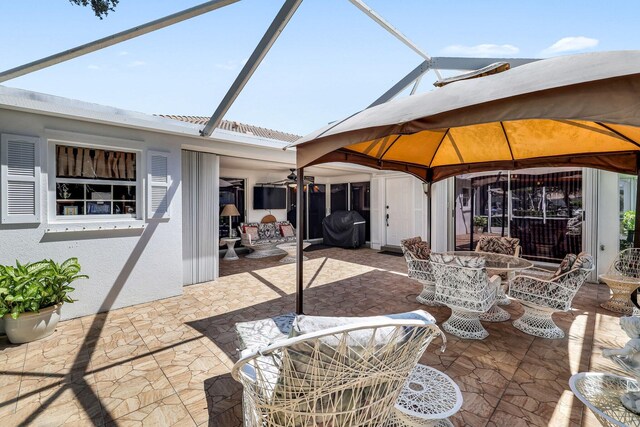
32	326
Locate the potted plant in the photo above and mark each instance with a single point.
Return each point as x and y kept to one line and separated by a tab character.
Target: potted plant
629	224
31	296
479	224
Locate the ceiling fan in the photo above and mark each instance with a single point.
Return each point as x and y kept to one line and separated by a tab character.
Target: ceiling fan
290	181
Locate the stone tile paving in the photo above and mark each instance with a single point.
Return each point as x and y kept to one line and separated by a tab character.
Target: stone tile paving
169	362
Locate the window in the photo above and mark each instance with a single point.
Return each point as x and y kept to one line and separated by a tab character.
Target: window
95	182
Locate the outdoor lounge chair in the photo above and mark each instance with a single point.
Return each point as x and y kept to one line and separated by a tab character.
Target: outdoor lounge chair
463	285
541	295
347	375
416	253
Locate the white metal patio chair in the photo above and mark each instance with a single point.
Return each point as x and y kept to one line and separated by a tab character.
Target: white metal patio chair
499	245
462	284
350	375
416	253
503	246
541	296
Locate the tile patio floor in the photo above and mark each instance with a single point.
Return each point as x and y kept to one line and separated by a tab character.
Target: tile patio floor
168	362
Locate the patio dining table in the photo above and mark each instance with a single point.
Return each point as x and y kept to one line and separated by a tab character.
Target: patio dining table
497	264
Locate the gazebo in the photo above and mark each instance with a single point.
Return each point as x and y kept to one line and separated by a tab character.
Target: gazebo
580	110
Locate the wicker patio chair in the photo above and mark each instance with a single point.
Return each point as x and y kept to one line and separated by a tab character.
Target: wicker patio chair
503	246
541	295
463	285
623	278
627	263
349	375
416	253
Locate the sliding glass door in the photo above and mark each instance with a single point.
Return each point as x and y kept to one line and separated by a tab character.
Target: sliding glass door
541	207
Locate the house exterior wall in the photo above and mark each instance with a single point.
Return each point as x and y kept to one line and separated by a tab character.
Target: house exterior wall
127	264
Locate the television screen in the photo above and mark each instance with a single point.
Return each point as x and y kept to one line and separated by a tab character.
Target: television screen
269	198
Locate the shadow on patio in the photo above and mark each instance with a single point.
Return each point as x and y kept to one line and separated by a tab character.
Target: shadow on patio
169	362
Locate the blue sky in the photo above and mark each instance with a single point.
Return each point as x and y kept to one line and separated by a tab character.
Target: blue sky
330	61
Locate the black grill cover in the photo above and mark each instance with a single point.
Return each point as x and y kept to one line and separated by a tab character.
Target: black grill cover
345	229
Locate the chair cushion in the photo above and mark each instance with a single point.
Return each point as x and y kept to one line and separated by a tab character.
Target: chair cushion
461	261
565	266
420	250
252	231
260	333
286	230
304	324
498	245
584	260
268	231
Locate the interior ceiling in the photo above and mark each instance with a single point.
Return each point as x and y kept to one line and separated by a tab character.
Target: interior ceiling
276	169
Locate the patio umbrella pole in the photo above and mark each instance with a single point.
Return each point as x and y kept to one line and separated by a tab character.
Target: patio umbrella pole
300	225
636	232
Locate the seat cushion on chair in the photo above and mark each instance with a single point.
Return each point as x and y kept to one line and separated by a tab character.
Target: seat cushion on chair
286	230
565	266
260	333
252	231
304	324
462	261
498	245
584	260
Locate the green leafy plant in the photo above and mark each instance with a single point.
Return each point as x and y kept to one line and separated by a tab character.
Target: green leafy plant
629	220
480	221
37	285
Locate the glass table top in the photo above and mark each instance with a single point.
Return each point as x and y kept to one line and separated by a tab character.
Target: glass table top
497	261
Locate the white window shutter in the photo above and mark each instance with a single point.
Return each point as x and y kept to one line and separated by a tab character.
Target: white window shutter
158	183
20	179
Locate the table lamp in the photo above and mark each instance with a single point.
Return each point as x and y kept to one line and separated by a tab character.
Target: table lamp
230	210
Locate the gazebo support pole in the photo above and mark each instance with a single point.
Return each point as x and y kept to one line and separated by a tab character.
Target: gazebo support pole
636	232
429	219
300	226
473	213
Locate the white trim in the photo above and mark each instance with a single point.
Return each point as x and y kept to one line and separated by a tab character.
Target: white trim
5	218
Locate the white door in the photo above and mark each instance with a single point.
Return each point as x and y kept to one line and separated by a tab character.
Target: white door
399	209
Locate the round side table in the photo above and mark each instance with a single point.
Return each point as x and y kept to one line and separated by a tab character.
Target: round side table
231	252
601	394
427	399
621	289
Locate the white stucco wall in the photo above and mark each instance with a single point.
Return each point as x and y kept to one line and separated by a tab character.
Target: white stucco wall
125	266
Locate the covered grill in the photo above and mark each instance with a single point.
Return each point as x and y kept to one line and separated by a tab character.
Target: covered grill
345	229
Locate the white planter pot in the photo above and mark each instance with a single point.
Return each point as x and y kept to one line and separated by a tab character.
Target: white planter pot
32	326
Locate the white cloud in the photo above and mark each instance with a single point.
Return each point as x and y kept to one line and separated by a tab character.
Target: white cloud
481	50
123	53
136	64
93	67
571	44
229	65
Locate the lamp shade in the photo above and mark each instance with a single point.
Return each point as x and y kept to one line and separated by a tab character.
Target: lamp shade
230	210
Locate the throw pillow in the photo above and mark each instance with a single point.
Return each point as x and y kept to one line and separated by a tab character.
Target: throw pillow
565	266
251	231
267	231
286	230
584	260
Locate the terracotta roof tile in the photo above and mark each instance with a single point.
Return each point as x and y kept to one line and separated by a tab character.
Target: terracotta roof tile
237	127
